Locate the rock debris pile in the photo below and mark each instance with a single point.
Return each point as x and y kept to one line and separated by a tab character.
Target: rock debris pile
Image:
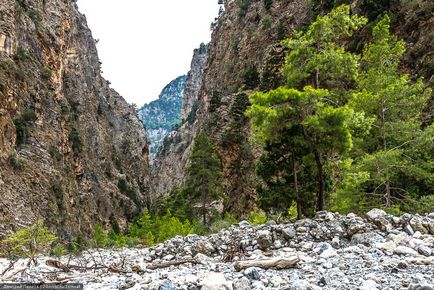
331	251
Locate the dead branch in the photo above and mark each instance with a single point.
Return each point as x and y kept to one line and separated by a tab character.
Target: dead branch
161	265
68	267
11	265
273	263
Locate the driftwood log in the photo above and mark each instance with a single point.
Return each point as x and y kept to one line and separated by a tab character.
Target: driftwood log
162	265
272	263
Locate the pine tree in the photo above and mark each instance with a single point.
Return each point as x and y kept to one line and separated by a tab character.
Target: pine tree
317	57
387	164
309	117
314	130
204	184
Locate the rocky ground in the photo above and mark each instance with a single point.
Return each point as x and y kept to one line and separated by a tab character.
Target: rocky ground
329	252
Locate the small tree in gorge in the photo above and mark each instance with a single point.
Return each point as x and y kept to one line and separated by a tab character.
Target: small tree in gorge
204	185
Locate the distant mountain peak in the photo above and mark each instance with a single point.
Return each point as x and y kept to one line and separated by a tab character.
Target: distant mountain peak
162	115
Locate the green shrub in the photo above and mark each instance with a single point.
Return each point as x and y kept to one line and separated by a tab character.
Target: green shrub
239	106
257	217
29	116
77	244
266	23
267	4
31	241
421	205
244	6
46	73
22	130
99	238
34	16
251	77
58	250
54	153
100	110
215	101
22	54
75	139
192	116
16	163
58	192
169	226
281	30
234	43
224	223
116	240
127	190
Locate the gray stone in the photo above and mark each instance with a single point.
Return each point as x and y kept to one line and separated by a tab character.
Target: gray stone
289	232
204	247
215	281
420	287
369	285
367	239
417	224
424	250
403	250
336	242
300	285
328	253
166	285
378	217
252	273
264	239
242	284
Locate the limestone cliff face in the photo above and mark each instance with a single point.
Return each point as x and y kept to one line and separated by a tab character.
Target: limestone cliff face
168	169
72	150
246	36
162	115
194	81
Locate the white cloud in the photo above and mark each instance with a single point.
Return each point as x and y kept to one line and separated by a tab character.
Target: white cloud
145	44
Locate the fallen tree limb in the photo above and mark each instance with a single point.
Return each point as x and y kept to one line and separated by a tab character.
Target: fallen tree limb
11	265
273	263
68	268
161	265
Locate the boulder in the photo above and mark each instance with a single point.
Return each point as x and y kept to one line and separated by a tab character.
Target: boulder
215	281
264	239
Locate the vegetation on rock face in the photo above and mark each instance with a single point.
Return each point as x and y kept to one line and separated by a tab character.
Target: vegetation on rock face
343	125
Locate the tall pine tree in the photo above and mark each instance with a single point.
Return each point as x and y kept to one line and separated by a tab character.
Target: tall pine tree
204	184
388	166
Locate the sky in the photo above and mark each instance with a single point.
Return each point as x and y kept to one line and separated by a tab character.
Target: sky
144	44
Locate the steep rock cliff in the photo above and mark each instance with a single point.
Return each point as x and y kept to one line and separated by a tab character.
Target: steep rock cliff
245	54
168	170
164	114
72	150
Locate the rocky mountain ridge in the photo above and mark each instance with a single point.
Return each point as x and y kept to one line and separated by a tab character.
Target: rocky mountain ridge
72	150
164	114
332	251
247	37
170	162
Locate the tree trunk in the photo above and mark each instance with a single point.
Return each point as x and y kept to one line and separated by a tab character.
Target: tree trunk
382	111
294	169
321	186
204	212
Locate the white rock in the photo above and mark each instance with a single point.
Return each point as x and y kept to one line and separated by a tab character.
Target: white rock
215	281
389	246
328	253
369	285
242	284
403	250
